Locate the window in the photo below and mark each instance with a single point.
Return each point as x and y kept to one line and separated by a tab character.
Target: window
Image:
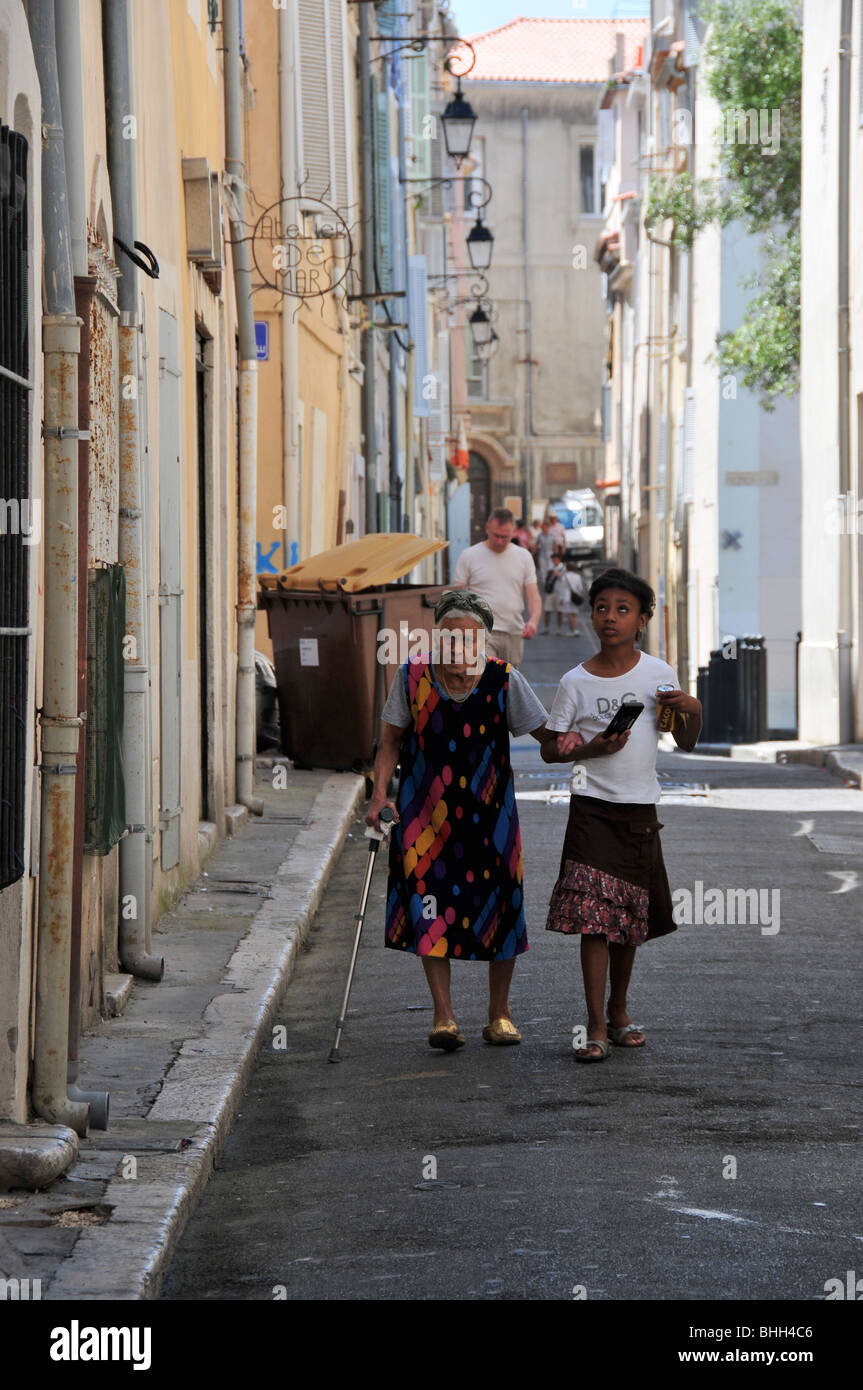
20	515
474	190
477	370
587	181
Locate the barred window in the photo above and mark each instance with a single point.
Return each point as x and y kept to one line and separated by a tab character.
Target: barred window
20	518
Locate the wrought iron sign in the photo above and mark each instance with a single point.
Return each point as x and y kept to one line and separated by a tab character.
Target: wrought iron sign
302	247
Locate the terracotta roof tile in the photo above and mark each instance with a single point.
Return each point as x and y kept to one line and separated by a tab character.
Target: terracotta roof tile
554	50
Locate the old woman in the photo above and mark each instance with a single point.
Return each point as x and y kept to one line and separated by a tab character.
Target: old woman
455	864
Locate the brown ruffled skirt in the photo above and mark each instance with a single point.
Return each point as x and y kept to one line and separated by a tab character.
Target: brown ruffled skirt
612	880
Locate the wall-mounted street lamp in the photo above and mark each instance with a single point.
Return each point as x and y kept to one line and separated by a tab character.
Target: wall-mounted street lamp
481	327
485	351
458	121
459	118
480	244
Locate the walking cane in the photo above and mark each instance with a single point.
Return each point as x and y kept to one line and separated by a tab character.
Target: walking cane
375	836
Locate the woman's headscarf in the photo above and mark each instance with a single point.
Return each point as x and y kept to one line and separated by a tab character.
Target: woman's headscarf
463	601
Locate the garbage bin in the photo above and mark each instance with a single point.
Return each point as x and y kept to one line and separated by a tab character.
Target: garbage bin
340	627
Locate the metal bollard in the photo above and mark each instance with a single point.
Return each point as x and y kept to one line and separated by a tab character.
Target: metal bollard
760	688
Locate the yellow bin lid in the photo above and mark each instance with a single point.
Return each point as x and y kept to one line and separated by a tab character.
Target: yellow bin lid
378	559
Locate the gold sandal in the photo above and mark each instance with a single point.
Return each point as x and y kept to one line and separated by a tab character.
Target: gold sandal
503	1033
447	1036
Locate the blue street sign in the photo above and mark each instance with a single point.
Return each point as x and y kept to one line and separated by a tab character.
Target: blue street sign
262	340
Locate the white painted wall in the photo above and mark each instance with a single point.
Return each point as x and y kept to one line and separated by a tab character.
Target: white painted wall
819	674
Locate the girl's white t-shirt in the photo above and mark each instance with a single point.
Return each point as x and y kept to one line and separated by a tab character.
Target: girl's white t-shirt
587	703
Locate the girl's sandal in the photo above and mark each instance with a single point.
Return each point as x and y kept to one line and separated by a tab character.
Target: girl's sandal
604	1050
617	1035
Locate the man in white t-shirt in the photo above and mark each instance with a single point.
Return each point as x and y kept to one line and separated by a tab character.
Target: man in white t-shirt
505	576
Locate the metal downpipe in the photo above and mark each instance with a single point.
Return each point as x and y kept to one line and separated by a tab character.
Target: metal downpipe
133	926
290	329
60	723
248	420
367	283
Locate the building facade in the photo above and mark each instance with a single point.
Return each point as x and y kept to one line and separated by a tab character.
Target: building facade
122	624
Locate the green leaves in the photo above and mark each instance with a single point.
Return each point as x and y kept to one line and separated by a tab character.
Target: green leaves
764	352
674	196
753	59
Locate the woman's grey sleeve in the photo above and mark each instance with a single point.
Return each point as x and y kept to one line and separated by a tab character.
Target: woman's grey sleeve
396	709
524	712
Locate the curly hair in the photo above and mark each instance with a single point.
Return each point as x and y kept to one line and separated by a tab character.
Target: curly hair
624	579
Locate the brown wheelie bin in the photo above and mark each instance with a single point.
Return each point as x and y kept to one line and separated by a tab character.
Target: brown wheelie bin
341	625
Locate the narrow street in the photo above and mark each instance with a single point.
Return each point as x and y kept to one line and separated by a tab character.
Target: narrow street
720	1161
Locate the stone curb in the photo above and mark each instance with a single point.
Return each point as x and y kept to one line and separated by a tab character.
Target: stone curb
844	762
127	1257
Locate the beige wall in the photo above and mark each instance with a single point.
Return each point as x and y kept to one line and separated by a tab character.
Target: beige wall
567	307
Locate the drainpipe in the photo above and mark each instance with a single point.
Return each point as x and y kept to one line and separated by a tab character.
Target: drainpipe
367	266
410	441
67	19
248	418
59	721
846	598
133	932
290	331
528	335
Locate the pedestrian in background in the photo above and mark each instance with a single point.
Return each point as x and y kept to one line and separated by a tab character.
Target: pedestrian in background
612	888
523	537
455	865
545	549
554	597
564	596
558	532
504	575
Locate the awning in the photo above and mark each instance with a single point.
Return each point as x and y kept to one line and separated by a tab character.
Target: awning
365	564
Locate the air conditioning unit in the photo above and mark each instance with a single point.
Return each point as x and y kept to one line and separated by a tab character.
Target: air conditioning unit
203	214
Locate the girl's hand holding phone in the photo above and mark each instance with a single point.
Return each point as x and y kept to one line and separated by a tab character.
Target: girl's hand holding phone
597	747
600	745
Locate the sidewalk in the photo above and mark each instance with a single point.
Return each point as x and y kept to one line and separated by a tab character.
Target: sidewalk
177	1062
843	760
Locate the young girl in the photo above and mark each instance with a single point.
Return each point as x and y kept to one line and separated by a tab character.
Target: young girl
612	888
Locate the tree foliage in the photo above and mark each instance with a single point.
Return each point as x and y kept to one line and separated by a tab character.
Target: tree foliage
753	62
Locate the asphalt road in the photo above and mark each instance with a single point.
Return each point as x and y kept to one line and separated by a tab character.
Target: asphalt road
720	1161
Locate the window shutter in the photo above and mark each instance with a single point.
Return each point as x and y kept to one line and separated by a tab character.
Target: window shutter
324	110
439	412
417	111
688	480
661	466
383	208
692	50
417	318
341	115
387	11
437	154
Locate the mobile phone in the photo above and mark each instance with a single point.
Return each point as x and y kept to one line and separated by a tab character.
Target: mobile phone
624	718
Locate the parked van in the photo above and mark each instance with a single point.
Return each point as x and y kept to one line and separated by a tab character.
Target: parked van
581	515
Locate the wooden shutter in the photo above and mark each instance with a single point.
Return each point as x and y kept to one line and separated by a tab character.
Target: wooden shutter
325	117
418	320
387	12
417	113
437	159
383	206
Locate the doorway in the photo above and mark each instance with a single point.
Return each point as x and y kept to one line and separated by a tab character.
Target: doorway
479	481
202	374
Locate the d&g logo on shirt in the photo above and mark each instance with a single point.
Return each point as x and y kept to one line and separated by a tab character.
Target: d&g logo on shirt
606	706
